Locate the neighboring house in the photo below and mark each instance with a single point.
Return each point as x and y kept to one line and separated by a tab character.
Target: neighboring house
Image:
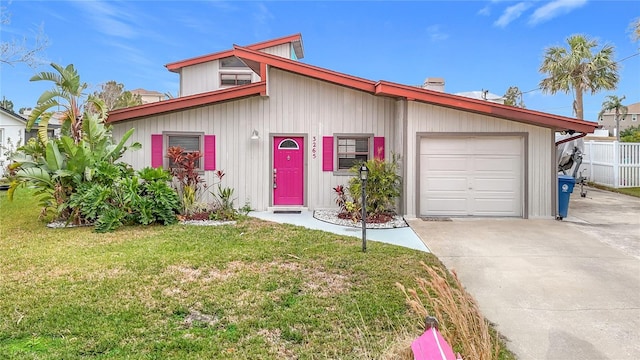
148	96
482	95
12	129
608	119
286	133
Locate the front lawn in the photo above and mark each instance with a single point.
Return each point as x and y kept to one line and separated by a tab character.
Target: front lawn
256	290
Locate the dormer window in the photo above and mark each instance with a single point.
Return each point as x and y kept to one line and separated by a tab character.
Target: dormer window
233	79
232	62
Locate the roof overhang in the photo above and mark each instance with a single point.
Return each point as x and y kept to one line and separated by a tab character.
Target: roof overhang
555	122
182	103
295	39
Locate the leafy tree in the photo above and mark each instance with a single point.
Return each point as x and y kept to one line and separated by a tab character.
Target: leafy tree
6	104
614	103
579	70
68	94
635	29
513	97
14	51
630	134
115	97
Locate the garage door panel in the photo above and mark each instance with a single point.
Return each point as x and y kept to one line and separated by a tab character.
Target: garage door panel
445	184
496	163
447	206
445	163
493	207
471	176
497	145
495	185
442	147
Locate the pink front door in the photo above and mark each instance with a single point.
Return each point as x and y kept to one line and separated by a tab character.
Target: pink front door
288	170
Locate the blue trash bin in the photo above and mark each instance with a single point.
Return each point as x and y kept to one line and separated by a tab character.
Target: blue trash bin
565	188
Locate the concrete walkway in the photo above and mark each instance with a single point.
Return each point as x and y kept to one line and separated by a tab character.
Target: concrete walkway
556	289
404	236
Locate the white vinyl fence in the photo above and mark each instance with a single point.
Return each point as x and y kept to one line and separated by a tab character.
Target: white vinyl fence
611	163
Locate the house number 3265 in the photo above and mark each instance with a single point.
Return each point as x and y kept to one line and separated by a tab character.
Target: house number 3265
314	144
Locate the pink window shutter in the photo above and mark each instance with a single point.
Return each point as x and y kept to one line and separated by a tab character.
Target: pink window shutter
209	152
157	151
378	148
327	153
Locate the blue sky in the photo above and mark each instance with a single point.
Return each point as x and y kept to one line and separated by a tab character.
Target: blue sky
473	45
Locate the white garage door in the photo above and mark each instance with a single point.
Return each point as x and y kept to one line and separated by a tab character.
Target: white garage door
471	176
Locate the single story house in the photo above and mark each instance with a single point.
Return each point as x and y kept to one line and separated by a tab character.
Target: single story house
286	133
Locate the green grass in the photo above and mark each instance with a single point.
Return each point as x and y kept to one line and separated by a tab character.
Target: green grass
256	290
633	191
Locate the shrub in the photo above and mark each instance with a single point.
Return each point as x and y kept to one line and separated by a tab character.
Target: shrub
382	190
186	175
631	134
117	197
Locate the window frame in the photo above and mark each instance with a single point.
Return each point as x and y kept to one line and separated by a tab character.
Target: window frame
338	153
165	144
235	74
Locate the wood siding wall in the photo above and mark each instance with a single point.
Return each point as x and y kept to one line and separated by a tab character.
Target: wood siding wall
430	118
201	78
283	50
296	105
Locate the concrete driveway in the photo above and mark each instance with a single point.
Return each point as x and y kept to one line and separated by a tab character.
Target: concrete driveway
556	289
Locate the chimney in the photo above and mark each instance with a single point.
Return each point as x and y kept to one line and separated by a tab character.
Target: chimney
433	83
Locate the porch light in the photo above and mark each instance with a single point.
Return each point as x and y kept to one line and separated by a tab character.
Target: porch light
364	172
255	135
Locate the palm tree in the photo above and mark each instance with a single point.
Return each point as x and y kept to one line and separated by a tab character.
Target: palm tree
578	69
614	103
68	94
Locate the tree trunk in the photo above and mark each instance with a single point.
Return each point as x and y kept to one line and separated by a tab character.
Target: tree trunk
579	107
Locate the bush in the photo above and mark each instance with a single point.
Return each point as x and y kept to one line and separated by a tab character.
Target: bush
382	189
631	134
117	197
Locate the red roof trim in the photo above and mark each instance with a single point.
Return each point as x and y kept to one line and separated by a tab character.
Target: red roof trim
305	69
484	107
175	66
187	102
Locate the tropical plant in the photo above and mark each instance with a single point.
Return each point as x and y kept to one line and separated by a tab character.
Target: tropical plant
382	188
614	103
224	208
58	168
578	69
119	197
630	134
187	180
382	191
67	94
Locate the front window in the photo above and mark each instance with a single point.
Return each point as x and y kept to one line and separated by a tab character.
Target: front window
189	142
351	151
233	79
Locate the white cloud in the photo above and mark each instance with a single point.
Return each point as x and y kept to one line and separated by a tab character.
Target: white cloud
554	9
485	11
435	34
107	18
511	13
261	19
